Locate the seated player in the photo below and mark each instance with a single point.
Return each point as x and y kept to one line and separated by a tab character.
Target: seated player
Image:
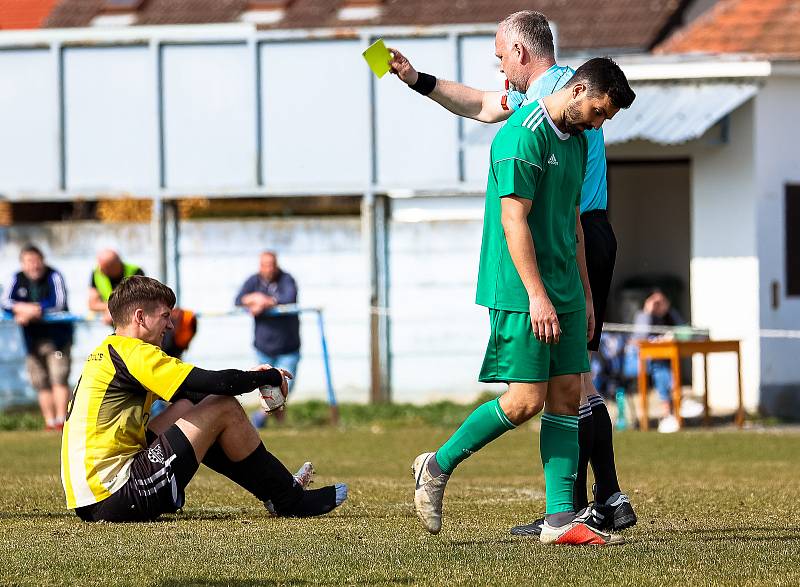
118	466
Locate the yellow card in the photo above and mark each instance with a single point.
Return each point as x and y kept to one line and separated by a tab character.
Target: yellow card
377	56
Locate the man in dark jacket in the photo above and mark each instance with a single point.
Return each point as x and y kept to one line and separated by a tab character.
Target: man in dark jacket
277	337
34	292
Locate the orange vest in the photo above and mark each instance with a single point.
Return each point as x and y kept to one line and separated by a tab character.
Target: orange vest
185	328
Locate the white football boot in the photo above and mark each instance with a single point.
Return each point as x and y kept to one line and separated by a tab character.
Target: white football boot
428	493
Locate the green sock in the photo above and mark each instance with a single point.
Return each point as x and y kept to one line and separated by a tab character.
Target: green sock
558	445
482	426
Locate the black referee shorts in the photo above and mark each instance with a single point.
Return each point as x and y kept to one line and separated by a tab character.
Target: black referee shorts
601	252
158	477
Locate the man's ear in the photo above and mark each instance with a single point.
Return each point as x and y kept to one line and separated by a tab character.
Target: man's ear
138	316
520	49
578	89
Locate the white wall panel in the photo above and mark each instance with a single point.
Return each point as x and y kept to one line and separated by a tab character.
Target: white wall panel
417	141
209	117
28	121
110	124
481	69
315	124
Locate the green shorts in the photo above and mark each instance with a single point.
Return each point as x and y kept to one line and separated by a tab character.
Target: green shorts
514	354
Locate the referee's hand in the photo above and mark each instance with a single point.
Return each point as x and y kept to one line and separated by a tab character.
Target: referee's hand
544	320
402	68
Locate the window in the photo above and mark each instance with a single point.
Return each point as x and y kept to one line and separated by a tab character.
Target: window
792	215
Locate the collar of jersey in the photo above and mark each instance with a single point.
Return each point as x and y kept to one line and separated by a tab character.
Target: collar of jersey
561	135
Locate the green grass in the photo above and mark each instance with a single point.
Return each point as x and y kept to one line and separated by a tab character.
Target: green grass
715	508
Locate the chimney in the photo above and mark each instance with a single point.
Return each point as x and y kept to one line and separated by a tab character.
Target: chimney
360	9
265	11
117	13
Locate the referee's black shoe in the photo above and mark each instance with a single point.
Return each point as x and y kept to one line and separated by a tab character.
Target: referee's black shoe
615	514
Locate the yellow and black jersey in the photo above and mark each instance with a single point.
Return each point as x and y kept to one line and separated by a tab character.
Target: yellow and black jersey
108	414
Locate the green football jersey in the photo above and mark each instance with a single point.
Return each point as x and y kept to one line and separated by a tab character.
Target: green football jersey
531	158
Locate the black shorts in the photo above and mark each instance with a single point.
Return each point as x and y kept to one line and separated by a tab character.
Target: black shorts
601	252
158	477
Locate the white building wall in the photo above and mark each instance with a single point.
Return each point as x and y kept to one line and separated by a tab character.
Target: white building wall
725	265
724	268
777	163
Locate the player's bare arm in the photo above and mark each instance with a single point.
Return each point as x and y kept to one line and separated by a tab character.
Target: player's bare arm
514	214
457	98
580	255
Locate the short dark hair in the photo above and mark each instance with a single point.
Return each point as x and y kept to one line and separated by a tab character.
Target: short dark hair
532	30
137	291
602	75
31	248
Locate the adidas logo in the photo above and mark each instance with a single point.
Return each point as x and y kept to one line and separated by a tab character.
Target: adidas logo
552	160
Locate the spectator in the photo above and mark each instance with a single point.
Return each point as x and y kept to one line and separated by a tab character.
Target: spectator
35	292
106	276
277	337
657	311
176	341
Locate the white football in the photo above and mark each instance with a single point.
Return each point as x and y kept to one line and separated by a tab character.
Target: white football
272	398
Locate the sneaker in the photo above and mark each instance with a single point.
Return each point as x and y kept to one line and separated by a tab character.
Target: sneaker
428	493
532	529
577	534
668	425
304	478
616	513
691	408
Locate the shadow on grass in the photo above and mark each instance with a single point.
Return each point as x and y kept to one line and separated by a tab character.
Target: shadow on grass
271	582
744	534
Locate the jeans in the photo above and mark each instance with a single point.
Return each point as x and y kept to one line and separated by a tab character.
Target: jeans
288	362
660	372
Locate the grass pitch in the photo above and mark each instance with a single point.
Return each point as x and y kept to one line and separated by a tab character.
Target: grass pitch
715	508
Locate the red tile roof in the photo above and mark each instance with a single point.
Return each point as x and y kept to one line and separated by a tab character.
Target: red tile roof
24	14
582	24
769	28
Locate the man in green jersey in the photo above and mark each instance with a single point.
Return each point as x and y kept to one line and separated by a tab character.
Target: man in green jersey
532	277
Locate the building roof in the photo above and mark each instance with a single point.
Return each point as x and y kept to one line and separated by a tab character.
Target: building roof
769	28
630	25
24	14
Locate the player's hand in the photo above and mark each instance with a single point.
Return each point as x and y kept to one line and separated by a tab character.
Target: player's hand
544	320
590	319
286	375
402	68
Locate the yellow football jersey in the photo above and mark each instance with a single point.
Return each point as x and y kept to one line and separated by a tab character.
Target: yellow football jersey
108	414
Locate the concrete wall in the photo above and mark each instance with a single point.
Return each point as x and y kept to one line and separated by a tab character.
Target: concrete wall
777	163
438	334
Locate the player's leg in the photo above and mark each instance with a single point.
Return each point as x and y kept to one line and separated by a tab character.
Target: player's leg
596	434
559	438
512	355
219	426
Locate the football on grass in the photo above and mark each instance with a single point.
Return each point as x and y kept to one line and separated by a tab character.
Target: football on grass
272	399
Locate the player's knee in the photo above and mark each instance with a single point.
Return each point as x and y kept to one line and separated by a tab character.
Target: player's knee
522	410
224	407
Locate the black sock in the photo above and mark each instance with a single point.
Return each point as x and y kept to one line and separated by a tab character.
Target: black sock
260	473
314	502
605	471
585	438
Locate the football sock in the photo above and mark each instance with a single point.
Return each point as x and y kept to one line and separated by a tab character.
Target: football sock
316	502
260	473
585	437
605	470
558	445
484	424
